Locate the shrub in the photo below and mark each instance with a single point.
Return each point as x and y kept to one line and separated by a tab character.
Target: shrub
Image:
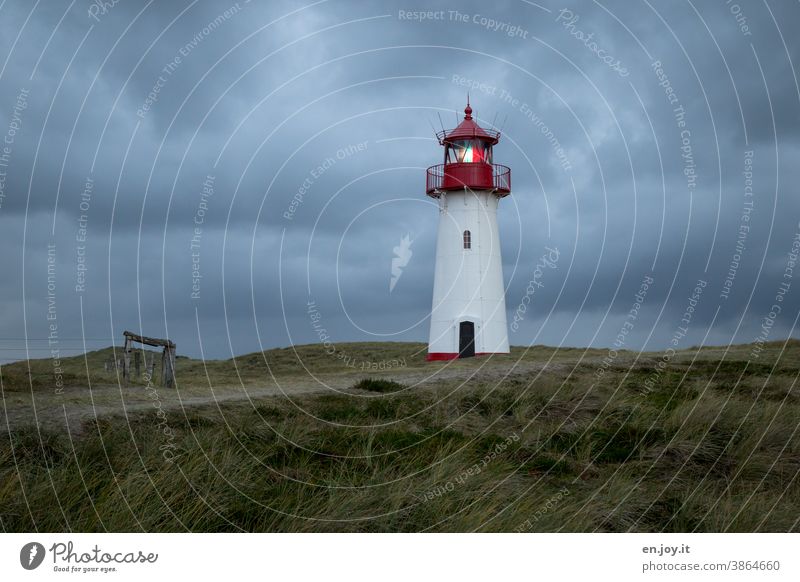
378	385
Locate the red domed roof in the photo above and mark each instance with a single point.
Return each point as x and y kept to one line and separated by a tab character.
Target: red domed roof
468	129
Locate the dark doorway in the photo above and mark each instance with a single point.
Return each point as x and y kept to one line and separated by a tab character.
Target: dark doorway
466	339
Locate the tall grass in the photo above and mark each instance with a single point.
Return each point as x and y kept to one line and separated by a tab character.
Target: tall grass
708	448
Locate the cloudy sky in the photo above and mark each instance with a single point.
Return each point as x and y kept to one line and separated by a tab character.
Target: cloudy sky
203	170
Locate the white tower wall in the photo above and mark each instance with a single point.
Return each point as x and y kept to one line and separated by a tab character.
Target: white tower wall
468	284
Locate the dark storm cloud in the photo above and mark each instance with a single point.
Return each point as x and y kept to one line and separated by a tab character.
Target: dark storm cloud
313	123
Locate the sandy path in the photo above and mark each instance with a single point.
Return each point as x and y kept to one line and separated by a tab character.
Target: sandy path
78	405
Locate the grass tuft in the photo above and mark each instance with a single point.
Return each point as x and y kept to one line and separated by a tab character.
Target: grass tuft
379	385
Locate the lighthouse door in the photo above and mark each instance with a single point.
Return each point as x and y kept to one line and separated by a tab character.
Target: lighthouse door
466	339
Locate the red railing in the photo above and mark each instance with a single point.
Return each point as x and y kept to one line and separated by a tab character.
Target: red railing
476	176
501	178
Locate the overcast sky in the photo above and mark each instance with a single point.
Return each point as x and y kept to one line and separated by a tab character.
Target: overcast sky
204	170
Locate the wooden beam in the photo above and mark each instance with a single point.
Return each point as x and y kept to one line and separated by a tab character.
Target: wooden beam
149	341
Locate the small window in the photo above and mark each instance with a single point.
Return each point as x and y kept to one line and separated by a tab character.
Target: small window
467	239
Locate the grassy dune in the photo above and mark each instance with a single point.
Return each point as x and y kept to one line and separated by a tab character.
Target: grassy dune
536	441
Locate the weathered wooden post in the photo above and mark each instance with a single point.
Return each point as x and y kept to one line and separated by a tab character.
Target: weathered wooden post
172	369
152	365
167	357
126	357
137	359
168	367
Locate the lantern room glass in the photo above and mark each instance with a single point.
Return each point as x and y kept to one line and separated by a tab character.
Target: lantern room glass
468	151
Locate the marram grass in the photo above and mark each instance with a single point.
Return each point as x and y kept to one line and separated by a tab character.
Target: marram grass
480	446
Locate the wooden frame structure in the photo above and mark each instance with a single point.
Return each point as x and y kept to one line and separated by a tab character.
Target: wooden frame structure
167	357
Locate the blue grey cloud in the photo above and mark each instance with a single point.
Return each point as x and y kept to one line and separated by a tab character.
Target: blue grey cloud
628	127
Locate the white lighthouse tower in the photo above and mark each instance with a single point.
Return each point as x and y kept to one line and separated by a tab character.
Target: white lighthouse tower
468	317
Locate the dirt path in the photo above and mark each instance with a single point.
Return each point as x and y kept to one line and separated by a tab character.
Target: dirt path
78	404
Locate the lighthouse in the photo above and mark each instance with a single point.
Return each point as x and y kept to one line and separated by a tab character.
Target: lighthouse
468	317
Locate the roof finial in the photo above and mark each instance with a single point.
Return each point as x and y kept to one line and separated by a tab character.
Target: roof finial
468	109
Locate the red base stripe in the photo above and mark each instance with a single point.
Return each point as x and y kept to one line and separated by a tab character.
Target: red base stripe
437	356
440	356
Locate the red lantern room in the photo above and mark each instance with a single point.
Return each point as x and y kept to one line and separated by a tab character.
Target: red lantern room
468	161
